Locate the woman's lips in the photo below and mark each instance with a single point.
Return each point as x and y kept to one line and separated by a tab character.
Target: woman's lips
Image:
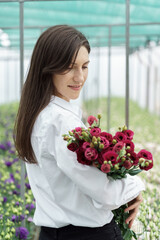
76	88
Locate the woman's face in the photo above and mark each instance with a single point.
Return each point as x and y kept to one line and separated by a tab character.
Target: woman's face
69	85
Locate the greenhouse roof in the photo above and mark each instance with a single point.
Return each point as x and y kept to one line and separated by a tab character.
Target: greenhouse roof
93	18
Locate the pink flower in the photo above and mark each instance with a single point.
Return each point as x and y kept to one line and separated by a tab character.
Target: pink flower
100	158
111	156
91	120
91	154
130	144
72	147
85	145
118	147
129	134
81	158
108	136
95	131
148	156
134	158
105	168
148	165
110	148
105	142
77	131
127	164
120	137
145	154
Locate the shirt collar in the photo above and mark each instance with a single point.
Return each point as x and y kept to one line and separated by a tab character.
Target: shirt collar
66	105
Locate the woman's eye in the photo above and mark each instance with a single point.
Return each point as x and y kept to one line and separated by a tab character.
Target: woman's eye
84	67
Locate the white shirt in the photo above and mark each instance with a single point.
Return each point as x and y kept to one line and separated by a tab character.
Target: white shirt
66	191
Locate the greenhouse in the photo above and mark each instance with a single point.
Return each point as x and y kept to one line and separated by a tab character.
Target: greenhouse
122	92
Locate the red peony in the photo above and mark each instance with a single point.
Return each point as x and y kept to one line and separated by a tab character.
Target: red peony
145	154
134	158
81	158
130	144
110	148
120	137
95	131
100	158
91	120
129	134
105	168
118	146
72	147
104	141
127	164
110	156
91	154
108	136
78	131
148	165
85	145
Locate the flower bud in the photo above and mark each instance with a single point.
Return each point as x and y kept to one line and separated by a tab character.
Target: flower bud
13	230
143	164
123	159
84	134
65	138
146	164
98	139
94	139
99	116
114	141
26	212
116	166
128	147
119	128
141	160
101	146
71	133
128	154
105	162
91	145
124	128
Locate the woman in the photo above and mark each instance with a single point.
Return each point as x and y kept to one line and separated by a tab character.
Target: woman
73	201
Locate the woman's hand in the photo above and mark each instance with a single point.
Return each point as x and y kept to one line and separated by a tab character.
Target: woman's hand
132	208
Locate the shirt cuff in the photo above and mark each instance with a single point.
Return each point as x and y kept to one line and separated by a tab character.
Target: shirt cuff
133	193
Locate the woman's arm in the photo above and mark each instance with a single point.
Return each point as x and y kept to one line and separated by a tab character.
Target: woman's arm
132	208
90	180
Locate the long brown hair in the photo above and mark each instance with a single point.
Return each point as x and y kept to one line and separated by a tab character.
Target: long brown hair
53	53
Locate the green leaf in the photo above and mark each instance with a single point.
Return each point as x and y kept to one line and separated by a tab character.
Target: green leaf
128	235
134	172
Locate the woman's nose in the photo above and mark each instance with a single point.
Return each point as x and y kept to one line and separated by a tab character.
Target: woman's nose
79	76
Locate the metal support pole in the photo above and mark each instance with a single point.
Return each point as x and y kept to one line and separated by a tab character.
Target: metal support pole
109	79
155	89
21	24
127	62
148	78
139	80
98	75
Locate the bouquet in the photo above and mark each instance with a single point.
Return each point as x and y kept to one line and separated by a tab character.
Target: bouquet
111	154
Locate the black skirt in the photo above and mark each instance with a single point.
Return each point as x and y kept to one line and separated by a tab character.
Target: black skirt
109	231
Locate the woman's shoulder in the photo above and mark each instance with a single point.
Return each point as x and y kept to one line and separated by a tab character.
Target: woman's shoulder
55	116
